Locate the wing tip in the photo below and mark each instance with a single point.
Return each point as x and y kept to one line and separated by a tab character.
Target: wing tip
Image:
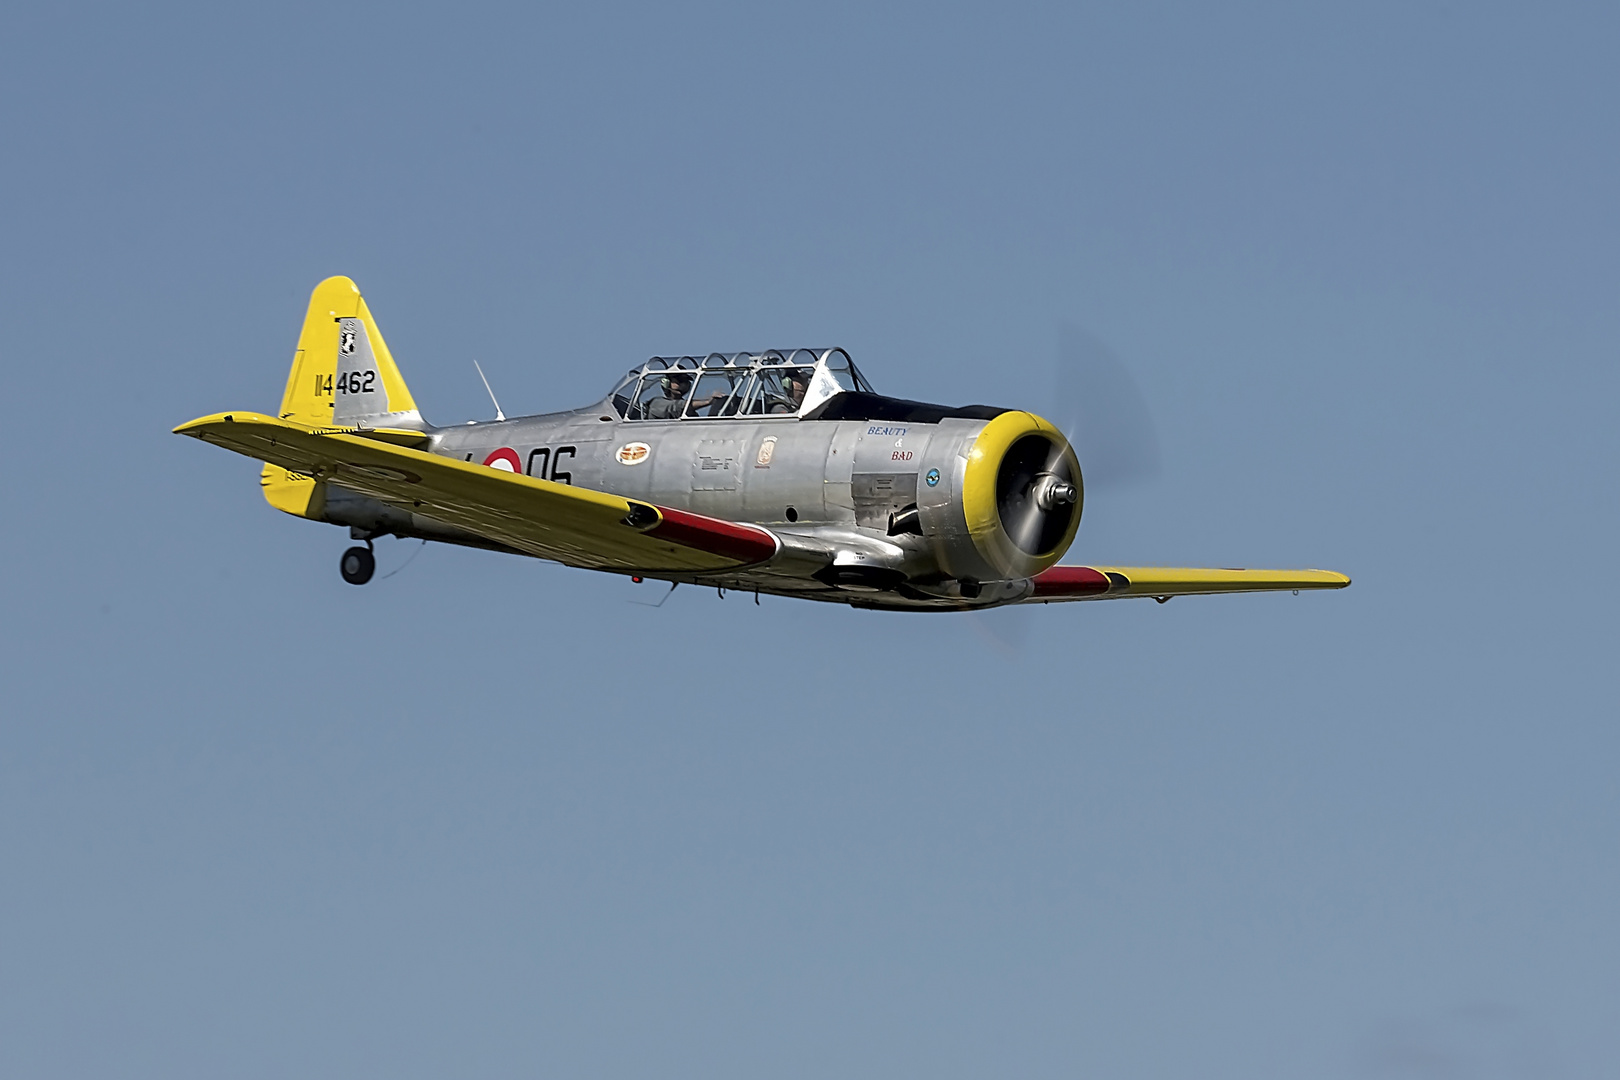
191	427
195	427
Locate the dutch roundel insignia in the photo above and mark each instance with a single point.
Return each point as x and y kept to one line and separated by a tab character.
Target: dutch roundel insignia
504	459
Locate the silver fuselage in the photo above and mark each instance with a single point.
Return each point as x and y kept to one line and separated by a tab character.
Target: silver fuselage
829	488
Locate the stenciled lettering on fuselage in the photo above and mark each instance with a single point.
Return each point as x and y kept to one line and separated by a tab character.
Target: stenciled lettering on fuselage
882	429
544	462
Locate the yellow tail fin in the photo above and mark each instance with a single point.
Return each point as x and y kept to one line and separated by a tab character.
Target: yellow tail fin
342	376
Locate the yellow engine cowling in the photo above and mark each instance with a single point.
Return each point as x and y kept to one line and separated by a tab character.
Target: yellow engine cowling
1011	501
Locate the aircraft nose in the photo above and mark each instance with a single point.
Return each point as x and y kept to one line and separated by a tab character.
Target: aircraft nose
1051	492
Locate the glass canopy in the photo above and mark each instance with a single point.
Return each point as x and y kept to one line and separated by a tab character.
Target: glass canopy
722	385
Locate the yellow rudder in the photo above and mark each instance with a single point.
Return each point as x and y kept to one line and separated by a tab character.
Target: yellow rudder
342	376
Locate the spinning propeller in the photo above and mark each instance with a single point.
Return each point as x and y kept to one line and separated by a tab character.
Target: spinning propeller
1037	493
1104	414
1106	420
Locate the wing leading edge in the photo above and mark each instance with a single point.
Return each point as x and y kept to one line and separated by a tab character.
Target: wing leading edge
568	524
1062	583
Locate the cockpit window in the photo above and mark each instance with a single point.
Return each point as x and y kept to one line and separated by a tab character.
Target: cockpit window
778	391
625	393
773	383
839	368
715	392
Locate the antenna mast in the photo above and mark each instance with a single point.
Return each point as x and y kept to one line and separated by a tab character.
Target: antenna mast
498	414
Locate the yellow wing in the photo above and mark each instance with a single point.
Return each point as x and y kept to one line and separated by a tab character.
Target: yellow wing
1163	582
572	525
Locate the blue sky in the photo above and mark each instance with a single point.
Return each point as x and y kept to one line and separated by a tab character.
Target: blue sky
488	817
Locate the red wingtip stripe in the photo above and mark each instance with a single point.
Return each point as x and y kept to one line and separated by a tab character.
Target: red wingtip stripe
745	543
1070	581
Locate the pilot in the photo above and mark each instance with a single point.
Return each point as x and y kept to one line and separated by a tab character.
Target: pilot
674	385
797	381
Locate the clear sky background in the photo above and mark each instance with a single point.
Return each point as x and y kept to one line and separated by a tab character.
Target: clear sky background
488	817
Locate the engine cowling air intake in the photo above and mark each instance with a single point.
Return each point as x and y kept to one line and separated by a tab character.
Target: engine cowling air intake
1022	495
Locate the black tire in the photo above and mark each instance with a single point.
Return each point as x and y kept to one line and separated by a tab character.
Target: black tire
357	565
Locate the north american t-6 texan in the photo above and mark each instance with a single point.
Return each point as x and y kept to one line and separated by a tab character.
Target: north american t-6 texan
780	472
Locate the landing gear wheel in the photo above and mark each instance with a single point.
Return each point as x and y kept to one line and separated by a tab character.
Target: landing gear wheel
357	565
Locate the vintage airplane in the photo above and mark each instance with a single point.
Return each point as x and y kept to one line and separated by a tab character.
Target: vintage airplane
777	472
